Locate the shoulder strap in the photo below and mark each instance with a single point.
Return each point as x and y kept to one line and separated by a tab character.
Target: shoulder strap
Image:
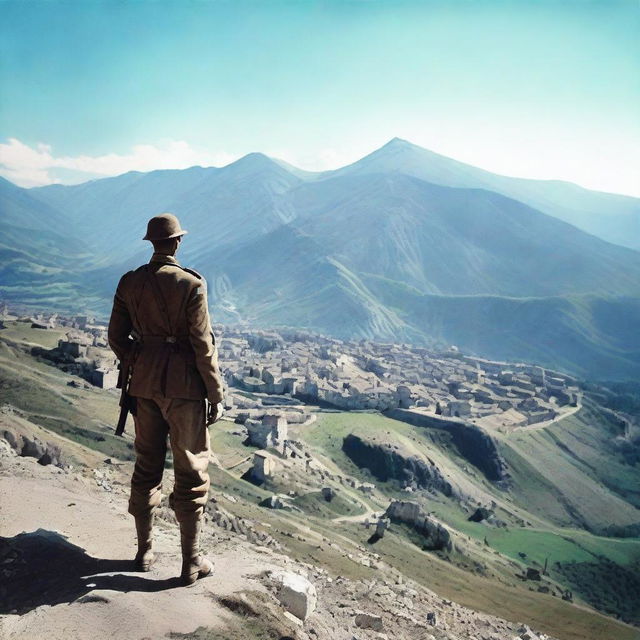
193	272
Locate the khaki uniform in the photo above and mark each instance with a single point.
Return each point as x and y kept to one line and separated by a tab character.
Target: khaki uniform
175	367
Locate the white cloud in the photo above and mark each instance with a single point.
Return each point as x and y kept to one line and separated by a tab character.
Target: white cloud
36	166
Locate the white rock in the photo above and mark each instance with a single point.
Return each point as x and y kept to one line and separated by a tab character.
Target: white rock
296	594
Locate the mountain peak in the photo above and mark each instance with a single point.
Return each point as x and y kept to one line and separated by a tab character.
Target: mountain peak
397	156
399	150
253	162
398	143
254	159
256	163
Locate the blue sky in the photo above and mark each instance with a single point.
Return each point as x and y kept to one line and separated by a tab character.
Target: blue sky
535	89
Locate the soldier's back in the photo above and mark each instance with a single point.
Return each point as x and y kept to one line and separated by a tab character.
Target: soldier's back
160	296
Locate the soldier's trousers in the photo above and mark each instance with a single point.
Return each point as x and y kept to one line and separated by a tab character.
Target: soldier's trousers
184	421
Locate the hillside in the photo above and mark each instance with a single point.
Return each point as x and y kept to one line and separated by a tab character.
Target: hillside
289	278
591	336
41	255
458	241
568	486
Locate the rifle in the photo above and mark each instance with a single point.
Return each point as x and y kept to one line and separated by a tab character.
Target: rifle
127	402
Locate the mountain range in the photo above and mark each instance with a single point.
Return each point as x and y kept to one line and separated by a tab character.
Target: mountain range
403	245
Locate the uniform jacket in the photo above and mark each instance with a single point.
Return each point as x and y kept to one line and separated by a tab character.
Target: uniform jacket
176	356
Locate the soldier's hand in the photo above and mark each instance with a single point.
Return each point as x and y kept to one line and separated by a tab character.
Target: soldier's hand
214	412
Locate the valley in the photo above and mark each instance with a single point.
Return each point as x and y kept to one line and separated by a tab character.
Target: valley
552	543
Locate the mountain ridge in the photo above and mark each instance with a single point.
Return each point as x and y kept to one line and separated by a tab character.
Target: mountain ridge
336	251
613	217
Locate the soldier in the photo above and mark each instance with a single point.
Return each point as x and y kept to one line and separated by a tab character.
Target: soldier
173	361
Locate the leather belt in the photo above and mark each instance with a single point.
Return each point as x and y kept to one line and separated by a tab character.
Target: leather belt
162	340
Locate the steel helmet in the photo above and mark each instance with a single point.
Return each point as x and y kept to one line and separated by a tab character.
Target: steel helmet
164	227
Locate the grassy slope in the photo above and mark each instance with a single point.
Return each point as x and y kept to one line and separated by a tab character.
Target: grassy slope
572	474
545	540
511	601
42	393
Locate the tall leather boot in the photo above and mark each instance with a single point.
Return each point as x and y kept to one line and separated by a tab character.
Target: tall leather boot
194	565
145	556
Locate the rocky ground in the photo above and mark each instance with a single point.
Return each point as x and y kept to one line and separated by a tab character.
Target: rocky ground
66	570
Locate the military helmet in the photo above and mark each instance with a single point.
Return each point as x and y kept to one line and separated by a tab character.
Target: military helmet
164	227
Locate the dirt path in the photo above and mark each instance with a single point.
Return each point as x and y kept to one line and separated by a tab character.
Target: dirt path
76	542
558	418
369	513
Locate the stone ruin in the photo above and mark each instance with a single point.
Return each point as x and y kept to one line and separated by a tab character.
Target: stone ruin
263	467
105	378
270	432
